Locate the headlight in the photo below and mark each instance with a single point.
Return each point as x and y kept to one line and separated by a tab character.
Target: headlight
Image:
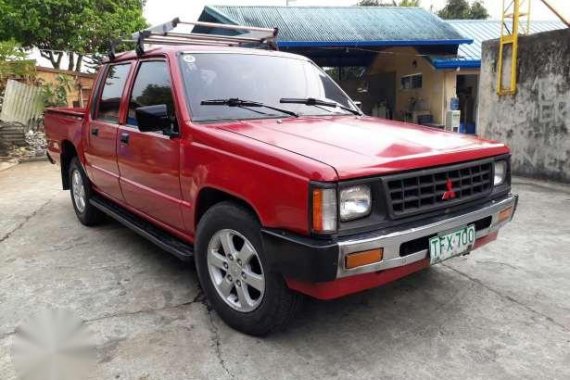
355	202
500	172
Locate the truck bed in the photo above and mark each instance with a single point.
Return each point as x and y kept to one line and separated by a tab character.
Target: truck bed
62	124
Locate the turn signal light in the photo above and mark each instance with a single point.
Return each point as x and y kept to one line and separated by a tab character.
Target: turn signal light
505	214
324	210
359	259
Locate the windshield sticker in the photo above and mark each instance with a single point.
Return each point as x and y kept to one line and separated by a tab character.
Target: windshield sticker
189	58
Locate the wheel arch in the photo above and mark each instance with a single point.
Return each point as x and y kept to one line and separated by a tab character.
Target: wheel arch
210	196
68	152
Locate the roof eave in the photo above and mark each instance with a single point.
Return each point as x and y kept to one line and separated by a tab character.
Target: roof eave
219	15
353	44
444	64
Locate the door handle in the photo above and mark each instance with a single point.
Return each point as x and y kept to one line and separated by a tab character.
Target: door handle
124	138
95	131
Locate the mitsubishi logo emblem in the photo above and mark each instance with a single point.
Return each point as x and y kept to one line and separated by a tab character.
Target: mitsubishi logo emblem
450	193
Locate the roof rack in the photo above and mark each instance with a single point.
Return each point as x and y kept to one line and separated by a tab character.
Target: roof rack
163	35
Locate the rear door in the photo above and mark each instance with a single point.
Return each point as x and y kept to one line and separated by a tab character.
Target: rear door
101	138
149	162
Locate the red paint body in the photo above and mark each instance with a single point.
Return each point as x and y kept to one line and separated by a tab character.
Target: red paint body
266	163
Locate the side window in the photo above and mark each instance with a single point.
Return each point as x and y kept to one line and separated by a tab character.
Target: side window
152	87
110	100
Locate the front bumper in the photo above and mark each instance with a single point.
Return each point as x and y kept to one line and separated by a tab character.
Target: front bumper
313	261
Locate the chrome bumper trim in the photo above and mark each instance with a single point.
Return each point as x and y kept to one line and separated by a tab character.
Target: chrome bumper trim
391	242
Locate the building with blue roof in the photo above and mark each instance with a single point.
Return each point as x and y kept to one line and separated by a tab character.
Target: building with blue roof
469	55
402	63
307	27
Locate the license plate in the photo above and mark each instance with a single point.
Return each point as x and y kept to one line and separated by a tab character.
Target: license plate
447	245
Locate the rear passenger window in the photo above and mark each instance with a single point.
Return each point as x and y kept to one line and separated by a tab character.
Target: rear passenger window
108	106
152	87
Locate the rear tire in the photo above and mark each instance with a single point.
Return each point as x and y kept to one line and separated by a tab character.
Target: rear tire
81	192
234	273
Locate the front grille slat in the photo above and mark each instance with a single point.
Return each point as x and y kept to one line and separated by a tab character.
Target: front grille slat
422	191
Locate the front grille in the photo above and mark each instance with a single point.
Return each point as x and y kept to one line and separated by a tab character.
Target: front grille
423	191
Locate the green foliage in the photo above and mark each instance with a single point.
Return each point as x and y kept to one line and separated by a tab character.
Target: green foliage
380	3
375	3
460	9
14	63
409	3
80	26
478	11
55	94
155	94
110	19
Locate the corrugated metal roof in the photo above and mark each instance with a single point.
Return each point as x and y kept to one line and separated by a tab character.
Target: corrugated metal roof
482	30
342	26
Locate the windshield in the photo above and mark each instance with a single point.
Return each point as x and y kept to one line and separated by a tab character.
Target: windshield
256	78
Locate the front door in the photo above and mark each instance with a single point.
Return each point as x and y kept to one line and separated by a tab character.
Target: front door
101	138
149	162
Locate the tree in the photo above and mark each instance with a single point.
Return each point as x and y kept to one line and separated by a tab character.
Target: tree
409	3
478	11
455	9
460	9
73	26
109	19
376	3
14	63
381	3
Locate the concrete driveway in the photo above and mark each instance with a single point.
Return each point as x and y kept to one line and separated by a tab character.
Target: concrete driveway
500	313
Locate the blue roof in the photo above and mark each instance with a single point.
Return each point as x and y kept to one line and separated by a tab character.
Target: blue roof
342	26
469	56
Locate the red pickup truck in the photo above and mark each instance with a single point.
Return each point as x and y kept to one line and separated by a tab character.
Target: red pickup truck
258	167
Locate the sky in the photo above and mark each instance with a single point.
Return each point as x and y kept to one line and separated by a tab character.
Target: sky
159	11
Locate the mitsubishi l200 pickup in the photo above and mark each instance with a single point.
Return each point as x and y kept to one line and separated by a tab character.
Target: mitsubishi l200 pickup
258	167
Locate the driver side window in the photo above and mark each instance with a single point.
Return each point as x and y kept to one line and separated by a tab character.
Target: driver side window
152	87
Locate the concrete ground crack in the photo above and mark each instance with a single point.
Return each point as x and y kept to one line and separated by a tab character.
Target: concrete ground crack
7	335
199	298
26	219
196	299
217	344
508	298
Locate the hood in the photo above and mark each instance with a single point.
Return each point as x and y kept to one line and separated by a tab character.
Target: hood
366	146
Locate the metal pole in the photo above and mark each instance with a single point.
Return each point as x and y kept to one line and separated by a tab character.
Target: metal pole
555	11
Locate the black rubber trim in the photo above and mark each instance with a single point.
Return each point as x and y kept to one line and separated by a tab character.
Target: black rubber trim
162	239
51	160
300	257
316	260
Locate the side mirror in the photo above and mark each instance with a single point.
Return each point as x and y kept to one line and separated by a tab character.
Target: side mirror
154	118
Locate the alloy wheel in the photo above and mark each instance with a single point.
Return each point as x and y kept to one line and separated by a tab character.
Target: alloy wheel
235	270
78	189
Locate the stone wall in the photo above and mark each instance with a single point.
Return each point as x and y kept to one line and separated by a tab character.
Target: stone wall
535	122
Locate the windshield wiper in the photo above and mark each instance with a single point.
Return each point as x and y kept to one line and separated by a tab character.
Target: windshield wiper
241	103
319	102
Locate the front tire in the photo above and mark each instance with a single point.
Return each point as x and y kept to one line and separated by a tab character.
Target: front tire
234	273
81	192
